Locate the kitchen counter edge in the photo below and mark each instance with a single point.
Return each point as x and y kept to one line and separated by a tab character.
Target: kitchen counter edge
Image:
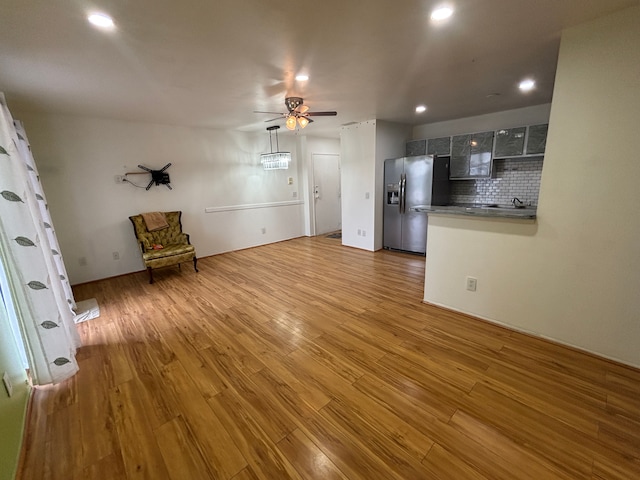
515	213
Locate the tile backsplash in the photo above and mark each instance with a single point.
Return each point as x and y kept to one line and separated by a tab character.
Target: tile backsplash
511	178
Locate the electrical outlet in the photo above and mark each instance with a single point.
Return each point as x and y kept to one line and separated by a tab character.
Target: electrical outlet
366	195
7	383
264	230
472	283
82	261
294	194
289	180
359	232
364	233
116	255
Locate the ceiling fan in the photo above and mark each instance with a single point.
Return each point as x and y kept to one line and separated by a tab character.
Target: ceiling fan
297	113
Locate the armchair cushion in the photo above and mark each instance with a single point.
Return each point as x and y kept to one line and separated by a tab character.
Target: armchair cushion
168	252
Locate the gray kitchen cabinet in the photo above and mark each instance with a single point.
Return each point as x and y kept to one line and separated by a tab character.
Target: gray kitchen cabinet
537	139
509	142
439	146
471	156
519	142
416	147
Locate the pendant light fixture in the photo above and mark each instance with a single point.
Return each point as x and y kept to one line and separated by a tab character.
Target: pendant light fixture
276	160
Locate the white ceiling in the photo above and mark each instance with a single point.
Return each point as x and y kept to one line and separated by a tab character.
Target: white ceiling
211	63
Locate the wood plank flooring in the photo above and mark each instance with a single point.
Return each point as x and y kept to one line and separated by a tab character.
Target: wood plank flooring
308	360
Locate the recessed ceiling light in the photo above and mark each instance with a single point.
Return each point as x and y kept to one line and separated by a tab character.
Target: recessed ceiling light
527	85
441	13
101	20
421	108
302	78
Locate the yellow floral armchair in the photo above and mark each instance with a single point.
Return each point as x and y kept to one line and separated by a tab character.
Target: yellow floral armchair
165	246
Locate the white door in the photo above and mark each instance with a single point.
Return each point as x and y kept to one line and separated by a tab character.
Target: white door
326	192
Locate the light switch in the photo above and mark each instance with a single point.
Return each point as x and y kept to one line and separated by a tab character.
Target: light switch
290	181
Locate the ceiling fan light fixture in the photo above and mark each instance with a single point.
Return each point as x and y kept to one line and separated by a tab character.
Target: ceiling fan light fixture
297	113
302	77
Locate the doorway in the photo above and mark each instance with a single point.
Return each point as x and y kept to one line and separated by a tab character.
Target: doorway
326	193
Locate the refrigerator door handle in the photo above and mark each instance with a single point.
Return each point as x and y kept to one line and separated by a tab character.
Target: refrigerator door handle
403	192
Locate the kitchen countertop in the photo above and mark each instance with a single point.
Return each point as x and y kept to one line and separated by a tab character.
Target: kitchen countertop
477	210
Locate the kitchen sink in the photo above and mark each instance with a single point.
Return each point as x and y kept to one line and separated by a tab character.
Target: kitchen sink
504	207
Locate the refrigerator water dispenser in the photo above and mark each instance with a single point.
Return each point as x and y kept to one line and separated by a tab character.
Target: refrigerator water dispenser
393	197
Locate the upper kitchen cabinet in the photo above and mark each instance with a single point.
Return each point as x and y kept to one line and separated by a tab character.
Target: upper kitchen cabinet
439	146
509	142
434	146
471	155
520	141
537	139
416	147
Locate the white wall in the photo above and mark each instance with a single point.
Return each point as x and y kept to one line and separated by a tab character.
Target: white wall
484	123
78	158
574	275
358	159
364	147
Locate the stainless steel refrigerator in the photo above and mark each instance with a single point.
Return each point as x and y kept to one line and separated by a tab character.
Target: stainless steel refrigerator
412	182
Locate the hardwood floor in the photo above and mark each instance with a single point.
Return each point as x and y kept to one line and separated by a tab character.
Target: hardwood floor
306	359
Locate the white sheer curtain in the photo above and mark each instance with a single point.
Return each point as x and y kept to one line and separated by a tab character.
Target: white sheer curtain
36	289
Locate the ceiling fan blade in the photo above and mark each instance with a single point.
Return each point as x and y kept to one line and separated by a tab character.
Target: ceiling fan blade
270	113
321	114
277	118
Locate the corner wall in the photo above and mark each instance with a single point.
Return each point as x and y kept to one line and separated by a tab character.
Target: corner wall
214	170
574	275
358	177
364	147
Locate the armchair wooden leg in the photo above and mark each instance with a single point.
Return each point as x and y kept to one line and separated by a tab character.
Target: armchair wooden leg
150	275
195	263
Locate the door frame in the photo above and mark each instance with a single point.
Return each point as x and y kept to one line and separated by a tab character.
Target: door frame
312	196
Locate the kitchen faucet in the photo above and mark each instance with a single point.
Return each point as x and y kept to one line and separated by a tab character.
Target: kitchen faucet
517	202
